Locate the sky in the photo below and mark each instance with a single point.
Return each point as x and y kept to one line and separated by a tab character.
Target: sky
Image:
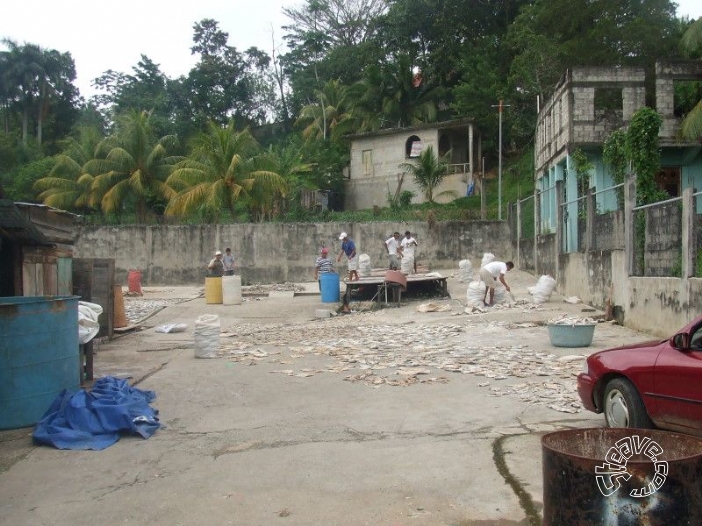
102	35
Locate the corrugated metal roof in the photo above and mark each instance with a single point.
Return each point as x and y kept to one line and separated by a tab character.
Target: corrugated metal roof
58	226
15	227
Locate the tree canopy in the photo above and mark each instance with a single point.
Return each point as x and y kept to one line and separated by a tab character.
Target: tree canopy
349	66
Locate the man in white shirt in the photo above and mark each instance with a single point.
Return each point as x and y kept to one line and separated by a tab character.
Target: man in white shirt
408	245
490	273
392	245
228	262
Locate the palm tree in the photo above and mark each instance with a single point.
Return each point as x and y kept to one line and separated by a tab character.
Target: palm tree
331	116
691	127
135	168
428	172
223	168
287	162
68	186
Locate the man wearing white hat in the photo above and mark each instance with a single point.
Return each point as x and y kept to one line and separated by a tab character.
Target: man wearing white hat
216	267
348	248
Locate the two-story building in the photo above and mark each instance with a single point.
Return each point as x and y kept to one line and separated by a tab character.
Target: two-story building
587	106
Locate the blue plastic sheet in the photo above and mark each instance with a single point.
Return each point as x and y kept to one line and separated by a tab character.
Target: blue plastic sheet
96	419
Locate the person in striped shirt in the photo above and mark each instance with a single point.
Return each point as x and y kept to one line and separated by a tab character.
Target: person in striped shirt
323	265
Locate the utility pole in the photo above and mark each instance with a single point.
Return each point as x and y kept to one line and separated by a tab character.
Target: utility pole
482	192
499	161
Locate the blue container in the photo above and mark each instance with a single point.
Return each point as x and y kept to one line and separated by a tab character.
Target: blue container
570	335
39	355
329	283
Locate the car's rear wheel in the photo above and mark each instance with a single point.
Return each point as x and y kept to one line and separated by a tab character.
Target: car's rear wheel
623	406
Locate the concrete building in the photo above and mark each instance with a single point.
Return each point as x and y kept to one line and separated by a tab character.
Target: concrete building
643	261
587	106
375	173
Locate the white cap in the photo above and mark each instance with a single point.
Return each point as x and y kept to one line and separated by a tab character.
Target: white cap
218	253
342	235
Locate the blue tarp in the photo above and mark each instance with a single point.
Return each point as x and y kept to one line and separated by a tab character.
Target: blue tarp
96	419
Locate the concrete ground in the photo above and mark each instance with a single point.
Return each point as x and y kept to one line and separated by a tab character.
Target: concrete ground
286	427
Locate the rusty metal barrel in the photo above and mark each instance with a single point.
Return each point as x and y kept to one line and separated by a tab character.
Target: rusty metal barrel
613	477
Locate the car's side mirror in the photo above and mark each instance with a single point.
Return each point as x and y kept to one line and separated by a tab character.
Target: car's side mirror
681	341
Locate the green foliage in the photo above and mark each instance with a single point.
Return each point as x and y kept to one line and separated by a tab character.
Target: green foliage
615	155
698	264
402	201
428	171
19	185
327	160
37	92
405	199
131	170
642	149
224	169
583	167
352	66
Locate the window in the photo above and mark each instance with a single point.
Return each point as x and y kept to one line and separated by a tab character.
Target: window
413	147
608	105
367	160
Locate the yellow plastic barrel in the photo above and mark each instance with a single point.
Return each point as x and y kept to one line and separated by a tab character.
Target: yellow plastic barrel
213	290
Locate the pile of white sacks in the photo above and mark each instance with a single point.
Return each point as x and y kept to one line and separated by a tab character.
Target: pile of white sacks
541	292
543	289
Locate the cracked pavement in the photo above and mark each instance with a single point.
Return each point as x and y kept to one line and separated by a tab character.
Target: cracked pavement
245	444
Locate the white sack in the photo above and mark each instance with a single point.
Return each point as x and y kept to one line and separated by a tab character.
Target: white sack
465	271
88	325
500	295
543	289
171	327
364	266
476	294
407	265
488	257
207	336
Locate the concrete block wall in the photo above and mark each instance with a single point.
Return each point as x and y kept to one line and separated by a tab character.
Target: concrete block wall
276	253
634	98
665	106
609	231
547	255
367	192
554	126
663	240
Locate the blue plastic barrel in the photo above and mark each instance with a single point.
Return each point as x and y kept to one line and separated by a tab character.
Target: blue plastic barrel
329	282
39	355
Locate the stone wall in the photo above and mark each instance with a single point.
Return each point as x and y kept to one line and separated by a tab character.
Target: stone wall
663	256
276	253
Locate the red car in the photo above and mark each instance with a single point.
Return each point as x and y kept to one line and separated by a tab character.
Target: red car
653	383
